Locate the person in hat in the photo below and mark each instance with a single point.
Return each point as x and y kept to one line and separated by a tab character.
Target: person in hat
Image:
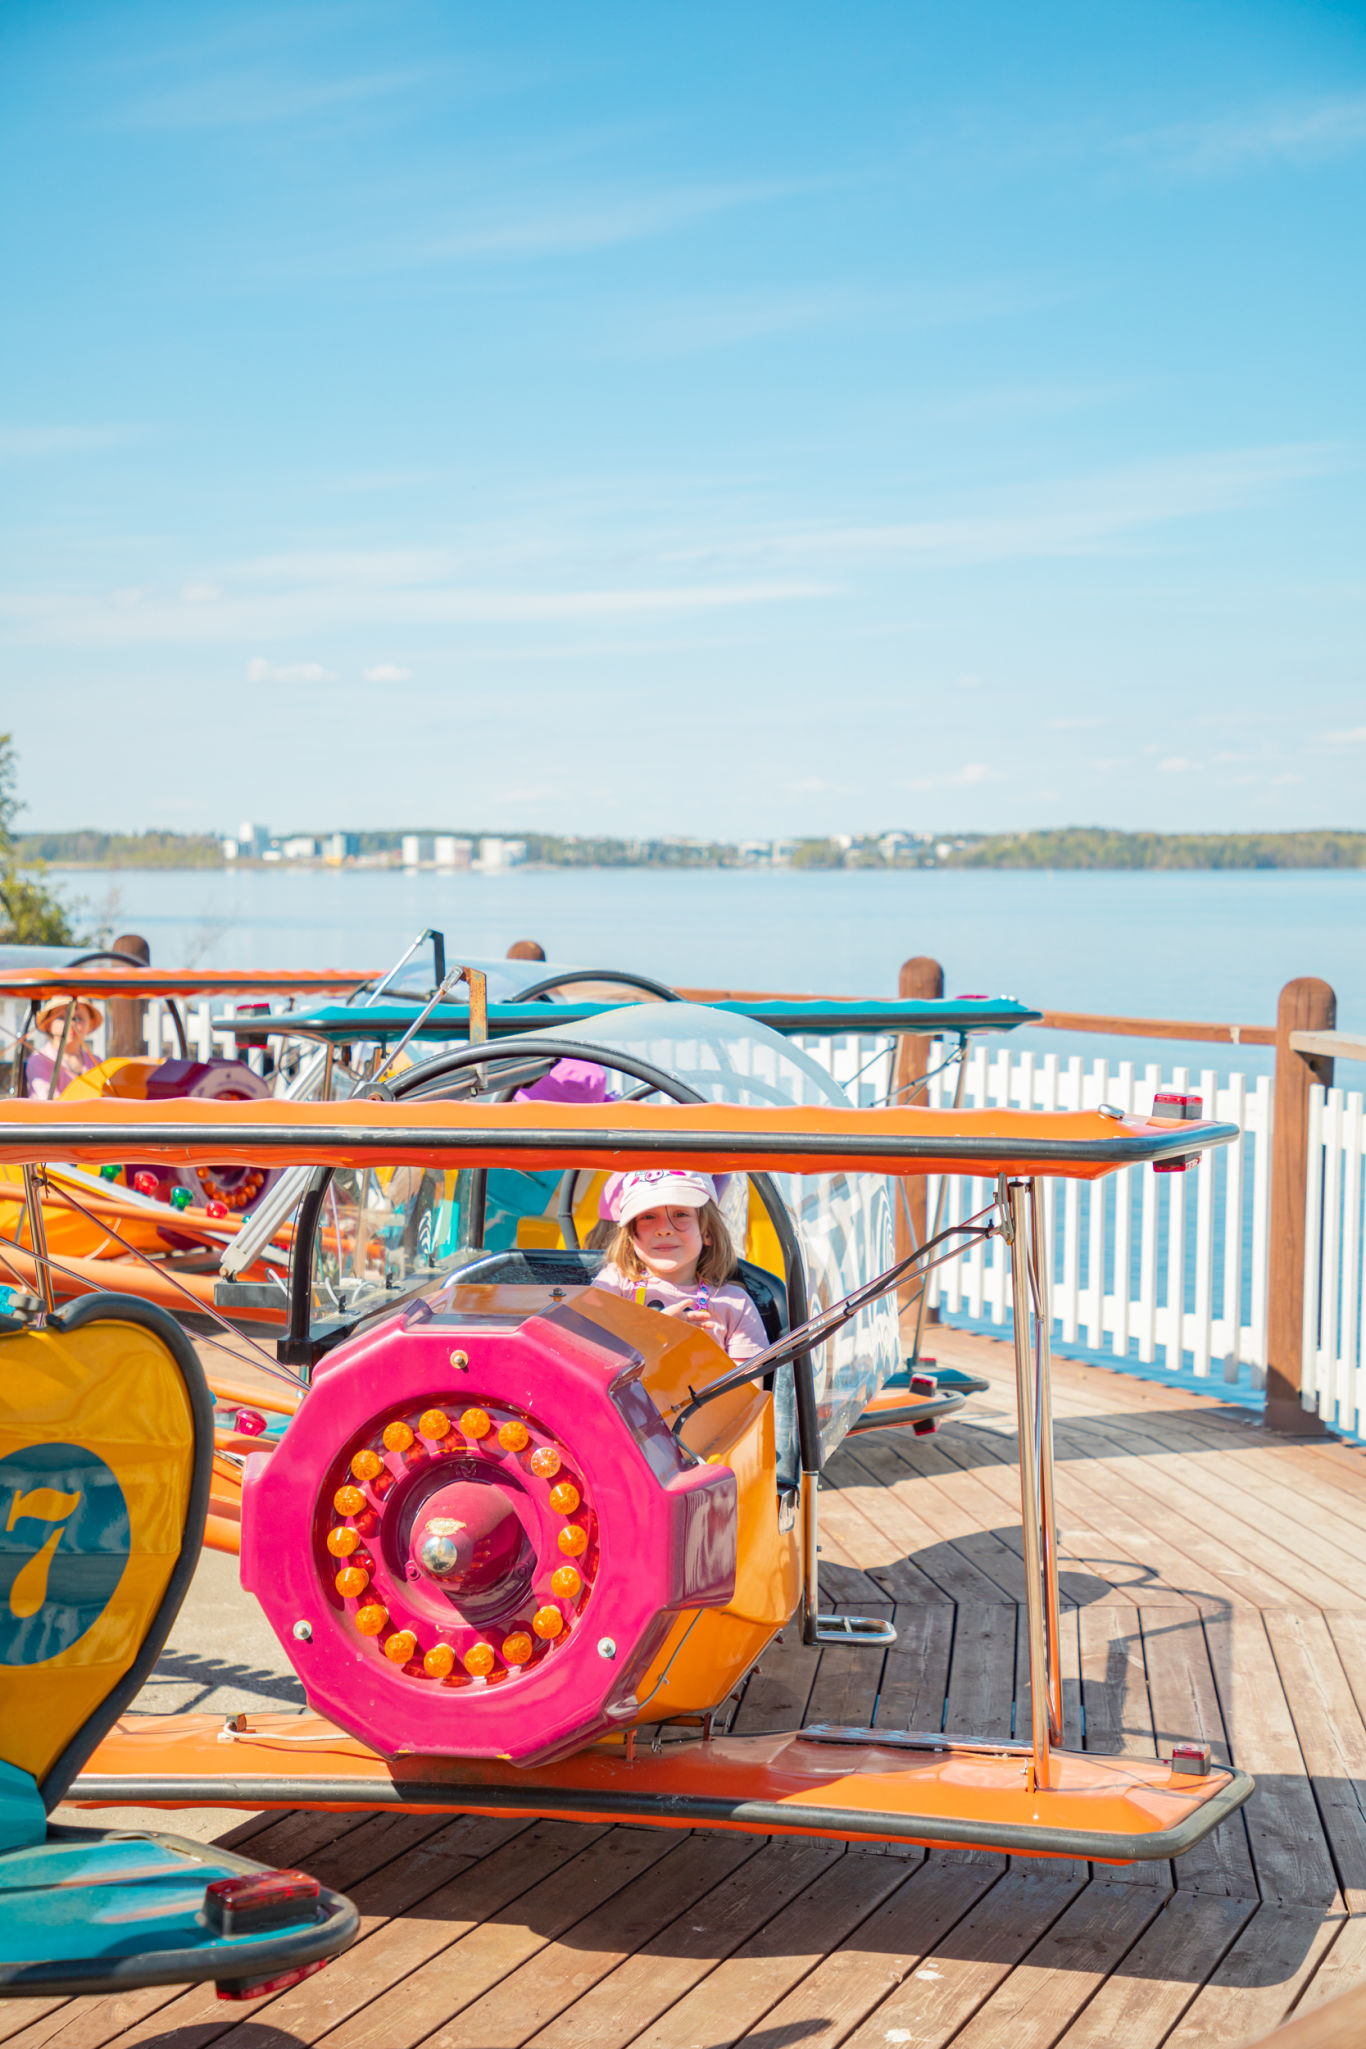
672	1251
76	1055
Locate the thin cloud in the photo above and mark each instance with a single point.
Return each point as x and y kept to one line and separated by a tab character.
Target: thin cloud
724	320
387	672
257	97
140	617
22	442
261	671
582	224
1297	134
1351	736
1072	725
1078	515
969	776
1177	764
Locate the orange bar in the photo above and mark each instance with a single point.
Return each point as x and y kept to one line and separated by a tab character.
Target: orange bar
73	1276
715	1137
147	982
1112	1809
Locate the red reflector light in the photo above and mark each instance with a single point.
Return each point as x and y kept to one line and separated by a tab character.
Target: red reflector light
926	1428
265	1899
1176	1166
1185	1109
145	1183
215	1209
1191	1757
249	1423
237	1988
925	1383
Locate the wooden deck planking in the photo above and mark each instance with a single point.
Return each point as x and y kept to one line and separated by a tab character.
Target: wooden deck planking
1214	1583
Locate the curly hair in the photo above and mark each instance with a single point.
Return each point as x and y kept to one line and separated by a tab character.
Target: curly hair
718	1261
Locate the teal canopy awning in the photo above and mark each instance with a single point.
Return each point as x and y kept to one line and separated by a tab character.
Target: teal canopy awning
818	1017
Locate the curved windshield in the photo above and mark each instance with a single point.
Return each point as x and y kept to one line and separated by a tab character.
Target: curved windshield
385	1232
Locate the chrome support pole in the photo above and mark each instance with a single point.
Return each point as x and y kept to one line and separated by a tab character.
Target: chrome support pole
33	1204
1043	1418
1035	1424
811	1542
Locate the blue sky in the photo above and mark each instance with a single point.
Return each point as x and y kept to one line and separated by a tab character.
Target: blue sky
684	419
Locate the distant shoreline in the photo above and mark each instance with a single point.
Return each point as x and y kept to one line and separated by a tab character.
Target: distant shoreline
1064	848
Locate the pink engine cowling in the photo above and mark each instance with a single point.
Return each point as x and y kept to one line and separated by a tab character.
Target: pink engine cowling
475	1534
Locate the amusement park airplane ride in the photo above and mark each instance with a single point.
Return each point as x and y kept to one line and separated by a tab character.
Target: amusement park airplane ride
522	1539
106	1437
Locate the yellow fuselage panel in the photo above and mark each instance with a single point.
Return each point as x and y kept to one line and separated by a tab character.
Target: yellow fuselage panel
708	1650
96	1465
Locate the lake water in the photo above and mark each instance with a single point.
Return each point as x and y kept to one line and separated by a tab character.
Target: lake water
1196	945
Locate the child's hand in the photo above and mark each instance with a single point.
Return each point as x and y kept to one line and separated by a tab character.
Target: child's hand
704	1320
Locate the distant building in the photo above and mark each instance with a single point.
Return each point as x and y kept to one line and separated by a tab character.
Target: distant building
781	852
450	852
341	846
410	849
301	847
895	845
252	840
500	853
231	849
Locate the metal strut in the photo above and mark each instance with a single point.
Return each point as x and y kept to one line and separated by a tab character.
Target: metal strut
1029	1291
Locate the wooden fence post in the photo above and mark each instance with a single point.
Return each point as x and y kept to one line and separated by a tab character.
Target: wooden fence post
922	978
1306	1005
127	1016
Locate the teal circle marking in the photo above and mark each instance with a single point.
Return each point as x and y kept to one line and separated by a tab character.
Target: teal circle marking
64	1542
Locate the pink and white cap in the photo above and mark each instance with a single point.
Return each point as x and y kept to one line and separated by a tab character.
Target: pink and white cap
661	1188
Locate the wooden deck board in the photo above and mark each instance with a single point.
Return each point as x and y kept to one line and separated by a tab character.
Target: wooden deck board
1214	1581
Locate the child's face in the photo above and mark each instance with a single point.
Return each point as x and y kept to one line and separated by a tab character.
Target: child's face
78	1029
669	1242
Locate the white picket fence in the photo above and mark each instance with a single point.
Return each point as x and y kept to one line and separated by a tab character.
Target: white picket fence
1165	1272
1335	1215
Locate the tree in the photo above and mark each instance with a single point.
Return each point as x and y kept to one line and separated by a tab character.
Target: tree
31	914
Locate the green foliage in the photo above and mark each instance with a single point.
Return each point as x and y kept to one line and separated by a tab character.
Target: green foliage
1098	846
817	854
31	914
123	849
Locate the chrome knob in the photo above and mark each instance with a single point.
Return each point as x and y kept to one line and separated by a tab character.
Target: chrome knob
438	1555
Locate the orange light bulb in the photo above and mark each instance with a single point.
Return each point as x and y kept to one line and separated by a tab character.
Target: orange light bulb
366	1464
397	1436
370	1620
514	1436
565	1582
479	1660
565	1497
351	1581
547	1623
475	1423
573	1540
517	1648
400	1646
433	1422
341	1542
545	1462
348	1501
439	1661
